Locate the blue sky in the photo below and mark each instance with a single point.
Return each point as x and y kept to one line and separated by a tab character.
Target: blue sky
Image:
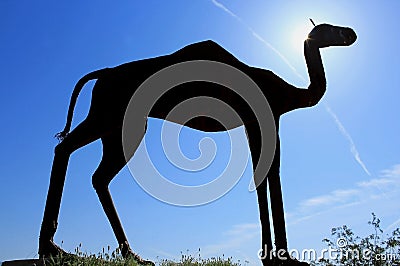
340	159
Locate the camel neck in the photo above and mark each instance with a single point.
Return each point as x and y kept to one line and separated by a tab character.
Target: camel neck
314	64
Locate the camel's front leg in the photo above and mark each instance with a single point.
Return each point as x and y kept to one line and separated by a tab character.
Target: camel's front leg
266	241
79	137
254	139
47	247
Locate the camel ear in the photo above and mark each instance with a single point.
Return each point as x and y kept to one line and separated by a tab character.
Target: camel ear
61	136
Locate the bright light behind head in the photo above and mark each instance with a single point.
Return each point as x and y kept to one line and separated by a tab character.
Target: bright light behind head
299	34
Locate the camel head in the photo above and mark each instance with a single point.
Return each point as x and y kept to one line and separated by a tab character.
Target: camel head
325	35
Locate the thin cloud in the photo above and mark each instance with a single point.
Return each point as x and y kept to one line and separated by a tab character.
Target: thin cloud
353	148
295	218
334	197
392	226
236	237
360	193
392	172
376	182
167	255
243	229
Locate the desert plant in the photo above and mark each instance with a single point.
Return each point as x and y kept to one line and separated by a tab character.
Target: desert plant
114	258
375	249
80	258
193	260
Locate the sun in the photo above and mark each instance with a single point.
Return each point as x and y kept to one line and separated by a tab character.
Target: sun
299	34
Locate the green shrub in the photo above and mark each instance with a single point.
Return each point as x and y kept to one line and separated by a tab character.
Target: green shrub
104	258
375	249
189	260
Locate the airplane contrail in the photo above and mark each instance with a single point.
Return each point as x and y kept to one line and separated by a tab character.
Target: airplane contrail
353	148
342	129
258	37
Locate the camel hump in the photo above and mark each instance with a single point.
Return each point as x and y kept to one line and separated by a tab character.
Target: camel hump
206	50
204	45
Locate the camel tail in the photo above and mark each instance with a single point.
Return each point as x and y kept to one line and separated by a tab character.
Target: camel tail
78	87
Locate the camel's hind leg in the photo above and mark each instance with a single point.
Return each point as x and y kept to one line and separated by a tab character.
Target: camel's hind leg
112	162
82	135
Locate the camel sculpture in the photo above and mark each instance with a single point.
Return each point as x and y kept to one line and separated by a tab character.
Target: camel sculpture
110	98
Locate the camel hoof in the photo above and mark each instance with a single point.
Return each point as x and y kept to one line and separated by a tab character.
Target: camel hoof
49	249
138	259
127	253
289	262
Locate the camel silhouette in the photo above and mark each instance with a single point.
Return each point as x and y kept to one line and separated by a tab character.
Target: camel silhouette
110	98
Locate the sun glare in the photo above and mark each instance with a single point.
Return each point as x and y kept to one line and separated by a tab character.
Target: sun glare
298	36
